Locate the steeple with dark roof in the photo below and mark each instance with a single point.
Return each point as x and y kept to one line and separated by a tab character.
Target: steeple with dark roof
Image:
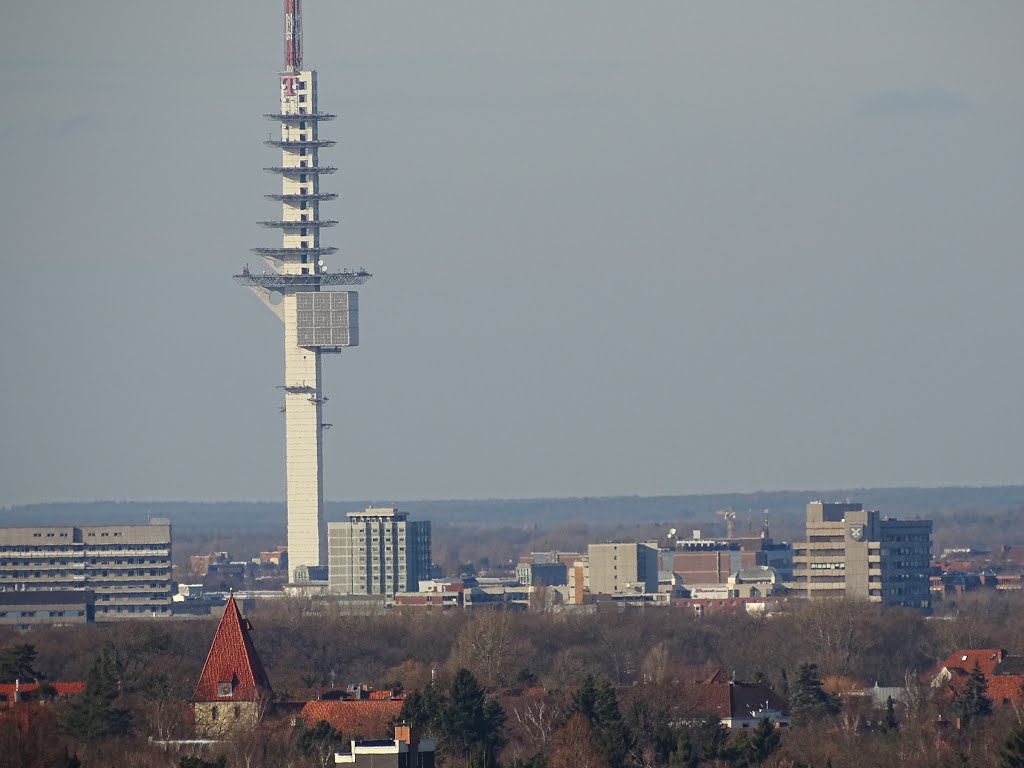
233	670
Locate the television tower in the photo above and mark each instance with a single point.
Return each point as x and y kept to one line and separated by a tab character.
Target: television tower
297	286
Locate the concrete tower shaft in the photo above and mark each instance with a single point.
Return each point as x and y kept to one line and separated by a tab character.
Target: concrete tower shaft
295	286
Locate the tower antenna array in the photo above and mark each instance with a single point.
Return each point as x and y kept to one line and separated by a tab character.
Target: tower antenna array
318	315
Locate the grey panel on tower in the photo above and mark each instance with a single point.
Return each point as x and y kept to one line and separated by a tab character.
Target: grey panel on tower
327	318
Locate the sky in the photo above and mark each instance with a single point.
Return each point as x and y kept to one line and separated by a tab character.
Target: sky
618	248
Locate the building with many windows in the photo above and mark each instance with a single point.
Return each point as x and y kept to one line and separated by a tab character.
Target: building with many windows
620	567
853	552
377	552
127	567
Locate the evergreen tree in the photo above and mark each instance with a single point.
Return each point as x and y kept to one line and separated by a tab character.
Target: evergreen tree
761	743
889	723
1012	755
468	724
712	740
95	714
807	701
190	761
972	701
16	663
422	708
684	755
598	703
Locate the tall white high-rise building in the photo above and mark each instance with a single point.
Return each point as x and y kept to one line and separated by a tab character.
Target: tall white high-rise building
300	289
378	552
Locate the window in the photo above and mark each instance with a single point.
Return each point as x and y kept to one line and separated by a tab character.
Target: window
302	98
238	711
213	713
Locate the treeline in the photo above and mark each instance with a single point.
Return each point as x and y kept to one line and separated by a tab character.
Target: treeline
535	666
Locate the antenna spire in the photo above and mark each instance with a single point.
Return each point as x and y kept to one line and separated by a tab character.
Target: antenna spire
293	35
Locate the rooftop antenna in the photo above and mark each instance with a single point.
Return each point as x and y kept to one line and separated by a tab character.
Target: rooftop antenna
293	35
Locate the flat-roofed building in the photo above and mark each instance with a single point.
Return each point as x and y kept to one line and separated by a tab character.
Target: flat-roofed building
622	567
127	567
853	552
377	552
56	608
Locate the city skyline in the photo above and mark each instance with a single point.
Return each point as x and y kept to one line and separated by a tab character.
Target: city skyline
681	250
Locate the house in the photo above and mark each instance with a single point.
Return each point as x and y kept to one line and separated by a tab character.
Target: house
1004	674
368	718
404	751
18	692
741	705
233	688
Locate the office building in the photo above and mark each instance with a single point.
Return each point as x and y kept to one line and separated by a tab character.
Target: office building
622	567
24	610
713	561
853	552
128	567
378	552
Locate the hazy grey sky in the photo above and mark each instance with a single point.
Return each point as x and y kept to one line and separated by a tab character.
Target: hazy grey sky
646	247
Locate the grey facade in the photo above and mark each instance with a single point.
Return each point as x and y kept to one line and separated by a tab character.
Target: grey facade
377	552
853	552
621	567
128	567
542	574
24	610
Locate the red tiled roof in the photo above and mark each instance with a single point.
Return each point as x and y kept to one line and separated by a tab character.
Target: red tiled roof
63	689
366	718
1006	688
232	659
965	659
729	699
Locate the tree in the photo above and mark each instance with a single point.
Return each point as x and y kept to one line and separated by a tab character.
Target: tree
972	701
95	714
16	663
889	723
807	701
191	761
422	710
319	743
468	725
599	705
575	745
684	755
761	744
1012	754
711	740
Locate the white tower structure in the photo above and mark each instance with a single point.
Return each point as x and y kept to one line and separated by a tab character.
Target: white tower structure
297	286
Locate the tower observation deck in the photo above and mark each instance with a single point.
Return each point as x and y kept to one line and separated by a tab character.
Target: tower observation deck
318	316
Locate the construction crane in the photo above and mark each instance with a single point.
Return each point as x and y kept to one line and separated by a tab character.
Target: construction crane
729	516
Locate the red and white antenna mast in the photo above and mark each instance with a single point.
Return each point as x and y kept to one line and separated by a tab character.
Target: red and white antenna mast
293	35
